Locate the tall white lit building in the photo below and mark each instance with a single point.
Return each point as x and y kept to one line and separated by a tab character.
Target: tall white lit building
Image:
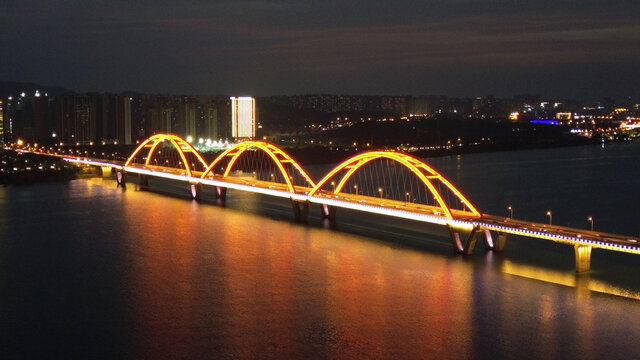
243	117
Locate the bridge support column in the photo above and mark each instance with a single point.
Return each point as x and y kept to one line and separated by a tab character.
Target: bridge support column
221	193
328	212
121	178
196	191
583	258
464	239
494	244
106	171
300	210
143	180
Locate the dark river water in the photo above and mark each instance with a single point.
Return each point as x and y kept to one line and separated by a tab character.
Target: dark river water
88	270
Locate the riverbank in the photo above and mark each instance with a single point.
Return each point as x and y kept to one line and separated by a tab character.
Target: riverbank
326	155
28	168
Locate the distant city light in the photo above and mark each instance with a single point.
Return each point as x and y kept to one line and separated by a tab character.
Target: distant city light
212	145
545	122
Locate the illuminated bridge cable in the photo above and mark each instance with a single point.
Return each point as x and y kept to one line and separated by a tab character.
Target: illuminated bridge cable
167	151
383	174
265	161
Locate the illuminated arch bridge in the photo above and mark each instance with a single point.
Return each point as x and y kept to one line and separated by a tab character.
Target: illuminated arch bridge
379	182
376	178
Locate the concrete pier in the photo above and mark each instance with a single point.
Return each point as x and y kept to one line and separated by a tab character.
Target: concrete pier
196	191
143	180
300	210
583	258
464	239
328	212
494	243
121	178
106	171
221	193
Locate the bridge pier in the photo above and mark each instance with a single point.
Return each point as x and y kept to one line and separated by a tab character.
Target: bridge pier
106	171
464	239
143	180
121	178
196	191
221	193
494	244
583	258
300	210
328	212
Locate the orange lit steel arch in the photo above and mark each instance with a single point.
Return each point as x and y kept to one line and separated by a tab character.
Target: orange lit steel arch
424	172
179	143
278	156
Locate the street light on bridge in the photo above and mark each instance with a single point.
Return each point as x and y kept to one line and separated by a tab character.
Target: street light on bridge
590	219
510	211
356	188
550	216
380	191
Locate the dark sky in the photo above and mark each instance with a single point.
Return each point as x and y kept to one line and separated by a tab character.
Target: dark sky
571	49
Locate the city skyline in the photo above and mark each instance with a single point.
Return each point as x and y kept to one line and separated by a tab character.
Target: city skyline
462	48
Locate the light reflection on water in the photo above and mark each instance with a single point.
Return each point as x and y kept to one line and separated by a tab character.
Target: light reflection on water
582	282
157	276
278	288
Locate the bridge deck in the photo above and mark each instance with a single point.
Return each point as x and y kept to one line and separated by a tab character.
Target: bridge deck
562	234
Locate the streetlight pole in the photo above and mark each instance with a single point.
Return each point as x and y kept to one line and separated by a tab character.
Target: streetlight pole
590	218
550	216
510	211
380	191
356	187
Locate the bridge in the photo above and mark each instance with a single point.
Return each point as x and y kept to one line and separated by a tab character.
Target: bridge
379	182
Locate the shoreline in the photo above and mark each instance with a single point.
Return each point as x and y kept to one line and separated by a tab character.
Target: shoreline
323	155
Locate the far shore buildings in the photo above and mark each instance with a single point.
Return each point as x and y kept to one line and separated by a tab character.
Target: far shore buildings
107	118
110	118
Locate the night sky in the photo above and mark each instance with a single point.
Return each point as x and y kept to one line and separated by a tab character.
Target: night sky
570	49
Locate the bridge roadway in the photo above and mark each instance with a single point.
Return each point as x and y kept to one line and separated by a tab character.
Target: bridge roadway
465	230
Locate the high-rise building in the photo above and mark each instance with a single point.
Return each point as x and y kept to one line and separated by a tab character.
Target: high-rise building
115	118
125	135
186	118
243	117
211	122
84	121
207	118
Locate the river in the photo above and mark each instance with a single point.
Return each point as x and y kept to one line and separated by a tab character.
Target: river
88	270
